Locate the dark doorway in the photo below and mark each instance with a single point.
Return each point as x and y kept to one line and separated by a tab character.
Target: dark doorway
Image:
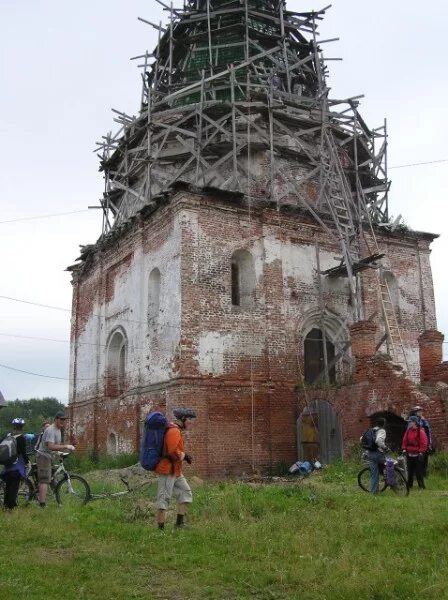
319	434
314	357
395	429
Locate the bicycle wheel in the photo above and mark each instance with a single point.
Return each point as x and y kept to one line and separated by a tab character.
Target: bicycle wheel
401	486
364	480
72	491
25	494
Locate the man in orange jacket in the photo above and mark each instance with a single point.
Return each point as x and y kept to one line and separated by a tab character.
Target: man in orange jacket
169	470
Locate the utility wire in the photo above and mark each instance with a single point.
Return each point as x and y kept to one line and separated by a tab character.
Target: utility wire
31	373
63	309
73	212
45	339
417	164
35	303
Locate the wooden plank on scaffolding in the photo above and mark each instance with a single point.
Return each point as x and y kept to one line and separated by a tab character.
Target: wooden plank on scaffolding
162	29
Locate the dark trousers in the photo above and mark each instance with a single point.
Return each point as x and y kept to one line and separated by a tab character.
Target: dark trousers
416	466
12	484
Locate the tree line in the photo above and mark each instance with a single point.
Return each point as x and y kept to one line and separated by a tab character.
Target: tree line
34	411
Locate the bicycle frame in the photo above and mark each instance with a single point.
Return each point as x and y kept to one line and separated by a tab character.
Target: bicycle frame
399	463
55	474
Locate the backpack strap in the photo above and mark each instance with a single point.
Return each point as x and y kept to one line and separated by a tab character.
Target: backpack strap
165	453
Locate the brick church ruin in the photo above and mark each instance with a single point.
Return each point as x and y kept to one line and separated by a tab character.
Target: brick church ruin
248	267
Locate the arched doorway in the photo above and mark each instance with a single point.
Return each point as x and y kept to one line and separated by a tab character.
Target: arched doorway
395	428
319	435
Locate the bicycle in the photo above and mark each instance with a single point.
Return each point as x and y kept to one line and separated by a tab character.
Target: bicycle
67	488
25	493
398	485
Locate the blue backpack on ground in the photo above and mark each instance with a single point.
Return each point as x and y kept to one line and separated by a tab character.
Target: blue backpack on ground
368	439
151	450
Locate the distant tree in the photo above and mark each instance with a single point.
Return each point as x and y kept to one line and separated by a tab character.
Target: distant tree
34	411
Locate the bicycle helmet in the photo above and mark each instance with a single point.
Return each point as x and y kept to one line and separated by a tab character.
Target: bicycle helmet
184	413
18	422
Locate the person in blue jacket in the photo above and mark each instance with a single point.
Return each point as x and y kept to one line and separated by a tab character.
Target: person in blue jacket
13	474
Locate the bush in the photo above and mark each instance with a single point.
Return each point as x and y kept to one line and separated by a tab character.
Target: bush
438	463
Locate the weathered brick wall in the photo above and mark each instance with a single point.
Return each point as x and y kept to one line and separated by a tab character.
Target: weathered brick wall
238	367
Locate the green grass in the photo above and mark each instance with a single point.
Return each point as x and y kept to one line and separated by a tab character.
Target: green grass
320	539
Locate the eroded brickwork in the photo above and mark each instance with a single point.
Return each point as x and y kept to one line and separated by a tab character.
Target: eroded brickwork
241	366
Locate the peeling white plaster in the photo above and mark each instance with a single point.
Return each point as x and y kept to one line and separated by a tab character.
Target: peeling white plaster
214	346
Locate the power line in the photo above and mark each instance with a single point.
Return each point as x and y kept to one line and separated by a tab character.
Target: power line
63	309
73	212
45	339
35	303
417	164
31	373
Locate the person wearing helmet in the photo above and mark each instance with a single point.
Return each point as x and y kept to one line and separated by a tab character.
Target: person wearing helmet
14	473
171	480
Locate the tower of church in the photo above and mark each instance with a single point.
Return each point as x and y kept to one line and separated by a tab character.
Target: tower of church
246	259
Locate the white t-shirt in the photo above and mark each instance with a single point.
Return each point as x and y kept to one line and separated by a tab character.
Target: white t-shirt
53	435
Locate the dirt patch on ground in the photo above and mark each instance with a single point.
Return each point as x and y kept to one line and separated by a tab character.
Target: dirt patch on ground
54	555
134	476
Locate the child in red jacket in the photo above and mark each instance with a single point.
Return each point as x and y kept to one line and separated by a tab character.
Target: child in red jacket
415	445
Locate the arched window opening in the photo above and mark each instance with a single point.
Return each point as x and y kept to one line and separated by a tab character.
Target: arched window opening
154	295
116	364
315	358
392	284
112	444
243	279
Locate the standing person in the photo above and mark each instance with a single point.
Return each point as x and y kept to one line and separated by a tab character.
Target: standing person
49	444
415	445
417	411
376	452
13	474
171	481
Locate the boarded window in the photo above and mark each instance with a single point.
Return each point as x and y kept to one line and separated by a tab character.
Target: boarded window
314	358
154	295
116	364
243	279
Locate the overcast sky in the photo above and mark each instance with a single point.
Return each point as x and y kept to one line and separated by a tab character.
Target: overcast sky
63	66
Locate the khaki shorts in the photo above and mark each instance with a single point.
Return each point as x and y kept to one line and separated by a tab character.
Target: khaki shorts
169	485
44	464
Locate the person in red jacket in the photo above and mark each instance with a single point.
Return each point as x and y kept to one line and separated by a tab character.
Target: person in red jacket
171	481
415	445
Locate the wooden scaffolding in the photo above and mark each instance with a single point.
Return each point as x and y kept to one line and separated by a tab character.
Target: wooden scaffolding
233	84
